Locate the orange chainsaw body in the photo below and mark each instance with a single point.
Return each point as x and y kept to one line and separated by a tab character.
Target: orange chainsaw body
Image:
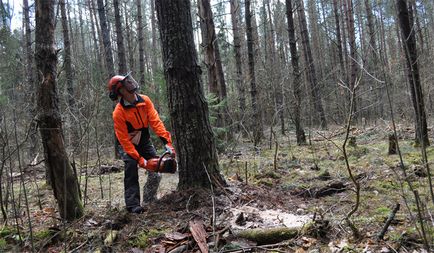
163	164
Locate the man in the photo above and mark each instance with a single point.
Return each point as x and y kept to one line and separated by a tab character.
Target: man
132	116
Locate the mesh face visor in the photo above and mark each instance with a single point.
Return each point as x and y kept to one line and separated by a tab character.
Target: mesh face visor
129	83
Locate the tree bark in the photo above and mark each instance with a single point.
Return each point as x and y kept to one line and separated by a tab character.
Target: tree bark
310	66
208	38
216	80
130	41
410	51
65	185
141	43
274	70
373	48
30	75
257	118
154	59
349	16
235	10
122	62
69	76
108	54
96	33
296	85
195	143
338	36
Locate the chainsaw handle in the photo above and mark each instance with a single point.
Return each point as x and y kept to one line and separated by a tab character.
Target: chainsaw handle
161	159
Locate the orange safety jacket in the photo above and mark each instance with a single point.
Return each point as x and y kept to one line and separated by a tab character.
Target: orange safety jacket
131	123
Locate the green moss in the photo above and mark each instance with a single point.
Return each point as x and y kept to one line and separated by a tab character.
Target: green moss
5	231
382	210
43	234
266	181
358	151
413	158
3	243
386	185
268	174
142	239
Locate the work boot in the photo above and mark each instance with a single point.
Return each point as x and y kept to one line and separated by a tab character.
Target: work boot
136	209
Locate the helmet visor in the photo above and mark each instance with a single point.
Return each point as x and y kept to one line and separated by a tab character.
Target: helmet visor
130	84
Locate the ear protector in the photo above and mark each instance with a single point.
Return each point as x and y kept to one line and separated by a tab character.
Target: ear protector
113	95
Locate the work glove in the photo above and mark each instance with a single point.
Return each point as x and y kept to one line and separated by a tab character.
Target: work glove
142	162
169	148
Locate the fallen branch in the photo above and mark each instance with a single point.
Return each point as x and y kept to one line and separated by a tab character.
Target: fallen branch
388	222
269	246
317	192
199	234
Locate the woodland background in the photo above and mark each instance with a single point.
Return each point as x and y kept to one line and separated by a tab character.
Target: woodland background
282	79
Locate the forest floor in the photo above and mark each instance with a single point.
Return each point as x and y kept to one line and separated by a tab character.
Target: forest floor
289	199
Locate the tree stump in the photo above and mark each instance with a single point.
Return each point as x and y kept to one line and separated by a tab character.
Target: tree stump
352	142
392	144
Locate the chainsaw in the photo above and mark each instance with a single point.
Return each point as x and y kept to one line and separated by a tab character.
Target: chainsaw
163	164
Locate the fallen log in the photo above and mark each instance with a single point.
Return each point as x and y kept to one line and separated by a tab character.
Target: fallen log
317	192
263	236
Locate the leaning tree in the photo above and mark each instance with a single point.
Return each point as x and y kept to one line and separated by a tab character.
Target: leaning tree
63	180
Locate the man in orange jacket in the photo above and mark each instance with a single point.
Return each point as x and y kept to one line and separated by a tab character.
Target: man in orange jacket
132	117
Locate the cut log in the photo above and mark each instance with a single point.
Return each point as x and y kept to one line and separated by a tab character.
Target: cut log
263	236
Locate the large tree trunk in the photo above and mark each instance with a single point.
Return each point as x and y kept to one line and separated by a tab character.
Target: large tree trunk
122	62
296	101
310	66
235	10
195	143
108	54
257	118
69	76
409	45
65	185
